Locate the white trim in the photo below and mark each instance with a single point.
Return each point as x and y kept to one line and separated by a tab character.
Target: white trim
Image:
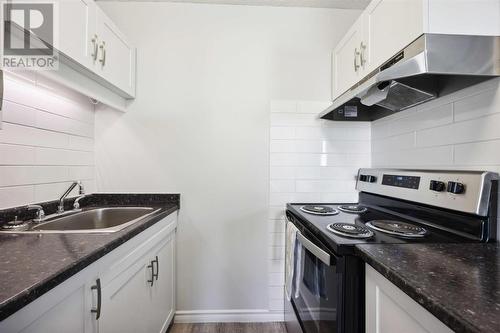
228	316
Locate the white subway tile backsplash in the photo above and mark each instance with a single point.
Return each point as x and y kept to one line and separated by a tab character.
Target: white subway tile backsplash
312	107
282	172
58	123
278	186
485	153
277	239
277	266
293	119
337	132
481	104
397	142
46	141
349	197
282	133
479	129
31	136
338	173
311	160
307	172
16	155
425	118
19	114
433	156
16	196
325	186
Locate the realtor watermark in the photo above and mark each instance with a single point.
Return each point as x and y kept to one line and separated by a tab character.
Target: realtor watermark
29	35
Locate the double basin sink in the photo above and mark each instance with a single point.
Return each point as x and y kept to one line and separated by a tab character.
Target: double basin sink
88	220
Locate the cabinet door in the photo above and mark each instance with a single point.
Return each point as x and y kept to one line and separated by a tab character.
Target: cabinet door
126	298
389	26
163	291
116	55
76	30
346	60
60	310
390	310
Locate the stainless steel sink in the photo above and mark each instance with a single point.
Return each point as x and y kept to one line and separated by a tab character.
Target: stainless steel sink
93	220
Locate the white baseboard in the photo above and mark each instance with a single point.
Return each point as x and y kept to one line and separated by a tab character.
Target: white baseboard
228	316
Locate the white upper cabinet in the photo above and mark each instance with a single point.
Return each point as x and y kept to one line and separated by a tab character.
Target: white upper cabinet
76	29
347	59
115	55
387	26
96	47
462	17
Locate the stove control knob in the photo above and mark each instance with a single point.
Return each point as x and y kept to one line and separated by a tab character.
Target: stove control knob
371	179
363	178
456	187
437	186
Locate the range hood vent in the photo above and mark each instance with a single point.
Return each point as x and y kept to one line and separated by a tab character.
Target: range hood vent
434	65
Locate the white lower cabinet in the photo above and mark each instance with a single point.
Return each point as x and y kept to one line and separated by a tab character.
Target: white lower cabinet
138	293
131	289
163	291
390	310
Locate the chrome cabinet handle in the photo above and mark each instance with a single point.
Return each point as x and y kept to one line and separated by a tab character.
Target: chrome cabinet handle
155	275
356	55
94	47
97	310
103	52
362	48
151	266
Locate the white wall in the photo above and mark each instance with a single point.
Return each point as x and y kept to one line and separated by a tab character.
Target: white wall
46	140
200	126
458	131
311	160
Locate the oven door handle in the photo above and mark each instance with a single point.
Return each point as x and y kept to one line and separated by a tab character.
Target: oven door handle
318	253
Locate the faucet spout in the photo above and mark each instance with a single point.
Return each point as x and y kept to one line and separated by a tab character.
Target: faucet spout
60	208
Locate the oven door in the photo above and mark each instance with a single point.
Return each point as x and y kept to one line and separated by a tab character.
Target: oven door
317	293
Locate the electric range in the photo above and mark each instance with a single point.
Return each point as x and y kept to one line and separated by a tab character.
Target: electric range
325	280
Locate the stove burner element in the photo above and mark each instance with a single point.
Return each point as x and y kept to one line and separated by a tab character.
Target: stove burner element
355	209
319	210
349	230
397	228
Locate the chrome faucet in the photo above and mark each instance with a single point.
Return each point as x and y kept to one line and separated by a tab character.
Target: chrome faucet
40	214
76	204
60	208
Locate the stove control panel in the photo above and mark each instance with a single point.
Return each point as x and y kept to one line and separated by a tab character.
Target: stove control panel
436	185
455	188
465	191
401	181
367	178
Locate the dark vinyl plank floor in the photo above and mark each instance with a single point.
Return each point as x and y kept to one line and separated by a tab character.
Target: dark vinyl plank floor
229	328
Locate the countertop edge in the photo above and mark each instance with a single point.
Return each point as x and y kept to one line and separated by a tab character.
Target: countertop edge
438	310
13	304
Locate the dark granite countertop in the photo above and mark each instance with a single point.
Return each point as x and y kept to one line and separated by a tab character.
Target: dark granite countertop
32	264
457	283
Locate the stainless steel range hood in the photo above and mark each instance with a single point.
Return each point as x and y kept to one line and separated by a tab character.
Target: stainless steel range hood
433	65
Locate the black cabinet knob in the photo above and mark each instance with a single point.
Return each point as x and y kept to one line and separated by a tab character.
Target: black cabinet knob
362	178
455	187
437	186
371	179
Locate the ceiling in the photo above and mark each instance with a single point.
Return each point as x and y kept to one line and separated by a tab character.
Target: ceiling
342	4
